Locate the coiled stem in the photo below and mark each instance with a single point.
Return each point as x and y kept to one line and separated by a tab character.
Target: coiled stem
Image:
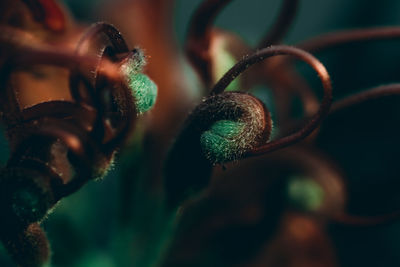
265	53
200	28
341	105
221	129
329	40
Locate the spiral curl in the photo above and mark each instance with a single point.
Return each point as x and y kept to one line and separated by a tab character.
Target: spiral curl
220	129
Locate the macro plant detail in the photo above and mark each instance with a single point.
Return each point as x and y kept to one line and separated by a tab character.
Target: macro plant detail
59	145
248	167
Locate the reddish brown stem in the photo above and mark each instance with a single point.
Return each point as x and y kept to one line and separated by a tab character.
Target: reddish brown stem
300	54
29	56
24	50
340	105
329	40
285	81
281	26
358	98
354	220
25	55
104	42
198	38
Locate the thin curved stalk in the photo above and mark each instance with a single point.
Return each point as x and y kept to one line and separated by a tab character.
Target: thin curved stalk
95	42
25	50
201	24
353	220
72	60
333	39
203	18
284	80
344	37
24	55
198	37
340	105
27	56
219	130
198	45
265	53
281	26
358	98
289	78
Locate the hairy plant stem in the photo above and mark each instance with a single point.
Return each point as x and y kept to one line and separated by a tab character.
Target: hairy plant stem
300	54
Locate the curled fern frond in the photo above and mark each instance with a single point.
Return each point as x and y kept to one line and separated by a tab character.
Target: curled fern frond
234	123
58	145
278	50
220	129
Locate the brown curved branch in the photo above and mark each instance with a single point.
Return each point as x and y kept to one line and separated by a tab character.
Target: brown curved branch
201	24
354	220
198	37
340	105
344	37
281	26
300	54
24	50
358	98
333	39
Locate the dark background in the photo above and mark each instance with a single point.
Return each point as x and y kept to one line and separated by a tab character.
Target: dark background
363	142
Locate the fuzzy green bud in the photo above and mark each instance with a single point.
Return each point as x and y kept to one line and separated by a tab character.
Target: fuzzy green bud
144	90
220	142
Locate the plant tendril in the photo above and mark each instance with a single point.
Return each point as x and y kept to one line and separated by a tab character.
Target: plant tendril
265	53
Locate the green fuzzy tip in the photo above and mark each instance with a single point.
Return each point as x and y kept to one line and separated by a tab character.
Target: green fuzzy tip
144	91
134	63
305	193
219	143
